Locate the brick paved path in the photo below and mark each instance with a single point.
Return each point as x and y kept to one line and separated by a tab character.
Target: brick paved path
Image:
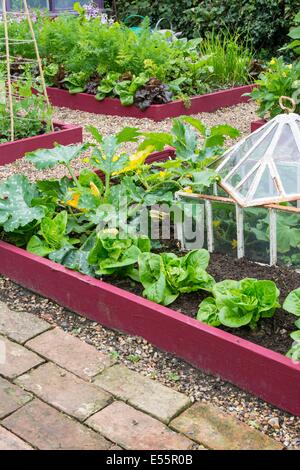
57	392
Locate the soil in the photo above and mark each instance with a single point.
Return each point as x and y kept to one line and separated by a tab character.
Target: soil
272	333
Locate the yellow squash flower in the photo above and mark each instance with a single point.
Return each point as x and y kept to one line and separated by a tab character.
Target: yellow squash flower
187	189
216	223
74	201
86	160
136	160
233	244
94	189
272	62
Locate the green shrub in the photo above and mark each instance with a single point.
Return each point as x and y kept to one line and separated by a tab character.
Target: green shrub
265	22
280	79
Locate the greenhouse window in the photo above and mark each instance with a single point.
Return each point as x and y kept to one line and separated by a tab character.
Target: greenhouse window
54	6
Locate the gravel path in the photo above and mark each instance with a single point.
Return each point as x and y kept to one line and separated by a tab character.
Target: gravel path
238	116
135	352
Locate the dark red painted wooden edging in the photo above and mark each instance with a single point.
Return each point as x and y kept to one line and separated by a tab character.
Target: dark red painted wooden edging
257	124
68	134
112	106
161	155
269	375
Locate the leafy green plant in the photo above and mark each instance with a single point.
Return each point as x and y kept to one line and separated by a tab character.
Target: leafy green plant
292	305
114	252
134	358
239	303
228	57
295	35
126	90
280	79
166	276
52	235
140	69
189	171
265	22
17	203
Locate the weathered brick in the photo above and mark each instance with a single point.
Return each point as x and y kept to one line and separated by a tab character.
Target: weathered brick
70	353
20	326
11	397
134	430
65	391
17	359
9	441
215	429
48	429
143	393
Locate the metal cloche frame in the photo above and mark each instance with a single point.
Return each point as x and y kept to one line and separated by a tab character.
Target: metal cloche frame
265	154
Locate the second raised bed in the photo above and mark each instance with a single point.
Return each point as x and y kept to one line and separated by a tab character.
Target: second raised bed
157	112
65	134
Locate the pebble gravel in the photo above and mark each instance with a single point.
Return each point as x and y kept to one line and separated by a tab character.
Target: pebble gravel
136	352
238	116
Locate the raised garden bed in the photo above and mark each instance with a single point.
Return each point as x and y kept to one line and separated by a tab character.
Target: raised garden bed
269	375
65	135
257	124
112	106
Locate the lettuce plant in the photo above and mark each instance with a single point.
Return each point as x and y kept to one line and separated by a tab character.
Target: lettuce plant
239	303
52	235
292	305
166	276
117	253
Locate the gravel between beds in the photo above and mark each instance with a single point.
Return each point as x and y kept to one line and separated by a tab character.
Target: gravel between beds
135	352
238	116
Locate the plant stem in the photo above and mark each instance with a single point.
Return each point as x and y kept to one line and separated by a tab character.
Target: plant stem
107	185
73	176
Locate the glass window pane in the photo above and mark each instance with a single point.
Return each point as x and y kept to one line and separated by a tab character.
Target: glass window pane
288	238
237	154
224	228
66	4
193	227
266	187
17	5
256	234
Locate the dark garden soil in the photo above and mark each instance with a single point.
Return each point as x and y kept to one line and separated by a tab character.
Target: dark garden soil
272	333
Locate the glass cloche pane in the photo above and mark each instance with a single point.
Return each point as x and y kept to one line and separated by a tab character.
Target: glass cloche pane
265	166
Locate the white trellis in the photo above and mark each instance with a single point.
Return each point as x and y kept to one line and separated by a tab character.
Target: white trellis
10	60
